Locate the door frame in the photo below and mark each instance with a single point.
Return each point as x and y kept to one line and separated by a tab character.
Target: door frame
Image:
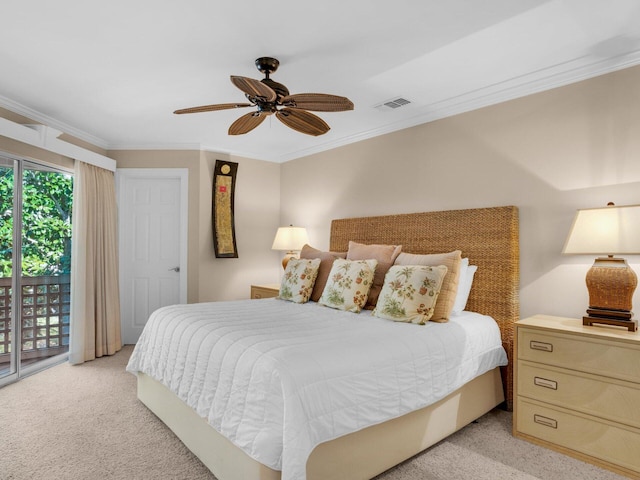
159	173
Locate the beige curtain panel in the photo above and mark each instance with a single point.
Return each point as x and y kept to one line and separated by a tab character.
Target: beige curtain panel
95	300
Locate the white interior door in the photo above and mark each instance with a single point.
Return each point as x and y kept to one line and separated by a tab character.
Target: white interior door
152	209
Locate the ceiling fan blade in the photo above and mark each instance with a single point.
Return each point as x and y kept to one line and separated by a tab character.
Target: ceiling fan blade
303	121
246	123
211	108
254	88
318	102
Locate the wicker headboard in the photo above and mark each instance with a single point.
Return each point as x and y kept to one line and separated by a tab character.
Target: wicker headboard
489	237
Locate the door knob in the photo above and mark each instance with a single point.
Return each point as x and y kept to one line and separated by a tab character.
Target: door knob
175	269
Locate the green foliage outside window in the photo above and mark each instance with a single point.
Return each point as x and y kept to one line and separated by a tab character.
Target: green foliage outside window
46	240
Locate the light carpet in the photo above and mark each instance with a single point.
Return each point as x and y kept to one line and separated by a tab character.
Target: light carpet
84	422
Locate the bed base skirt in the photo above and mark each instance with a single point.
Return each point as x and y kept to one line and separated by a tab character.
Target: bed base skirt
359	455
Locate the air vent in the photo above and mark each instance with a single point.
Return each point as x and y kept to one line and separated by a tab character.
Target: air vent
393	104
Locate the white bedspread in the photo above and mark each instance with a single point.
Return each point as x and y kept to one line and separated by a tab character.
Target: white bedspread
278	378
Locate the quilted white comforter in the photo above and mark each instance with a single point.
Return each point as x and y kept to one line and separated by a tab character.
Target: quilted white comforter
278	378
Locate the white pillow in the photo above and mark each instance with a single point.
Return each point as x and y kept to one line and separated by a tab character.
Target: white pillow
464	287
464	265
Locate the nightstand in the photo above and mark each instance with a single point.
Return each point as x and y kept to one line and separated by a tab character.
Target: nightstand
577	390
265	291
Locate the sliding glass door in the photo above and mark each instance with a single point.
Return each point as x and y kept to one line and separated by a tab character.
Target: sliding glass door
35	266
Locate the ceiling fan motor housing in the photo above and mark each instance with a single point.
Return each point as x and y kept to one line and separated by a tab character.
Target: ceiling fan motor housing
267	65
264	107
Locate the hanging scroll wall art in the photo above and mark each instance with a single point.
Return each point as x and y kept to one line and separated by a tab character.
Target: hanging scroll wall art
224	232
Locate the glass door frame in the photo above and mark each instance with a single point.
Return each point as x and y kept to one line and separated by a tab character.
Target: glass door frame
16	245
16	369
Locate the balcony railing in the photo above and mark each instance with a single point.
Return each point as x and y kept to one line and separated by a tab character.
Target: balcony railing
45	303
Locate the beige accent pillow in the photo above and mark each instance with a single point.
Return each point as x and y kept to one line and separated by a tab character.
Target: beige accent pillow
298	280
348	284
326	262
409	293
384	254
447	297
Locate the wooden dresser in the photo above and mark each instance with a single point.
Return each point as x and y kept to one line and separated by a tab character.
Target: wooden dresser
265	291
577	390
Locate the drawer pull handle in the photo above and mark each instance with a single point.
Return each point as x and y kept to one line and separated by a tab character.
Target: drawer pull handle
545	347
546	421
546	383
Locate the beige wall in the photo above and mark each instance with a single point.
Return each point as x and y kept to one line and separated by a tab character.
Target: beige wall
257	213
549	154
257	207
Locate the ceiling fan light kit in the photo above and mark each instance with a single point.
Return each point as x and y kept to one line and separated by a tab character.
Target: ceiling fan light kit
270	97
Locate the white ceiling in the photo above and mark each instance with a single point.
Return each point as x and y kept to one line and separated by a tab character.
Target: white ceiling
112	72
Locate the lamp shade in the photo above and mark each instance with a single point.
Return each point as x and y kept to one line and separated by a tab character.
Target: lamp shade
605	231
290	238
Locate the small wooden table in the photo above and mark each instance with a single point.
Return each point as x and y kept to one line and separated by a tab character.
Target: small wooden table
265	291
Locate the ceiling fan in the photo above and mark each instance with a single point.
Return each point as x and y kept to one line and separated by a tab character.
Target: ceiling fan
273	98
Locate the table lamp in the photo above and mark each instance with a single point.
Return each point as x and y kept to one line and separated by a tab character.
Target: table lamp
610	231
290	239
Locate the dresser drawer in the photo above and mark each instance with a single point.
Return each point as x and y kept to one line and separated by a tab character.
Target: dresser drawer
587	435
593	355
601	397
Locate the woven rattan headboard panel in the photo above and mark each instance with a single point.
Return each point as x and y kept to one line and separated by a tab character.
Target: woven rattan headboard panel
489	237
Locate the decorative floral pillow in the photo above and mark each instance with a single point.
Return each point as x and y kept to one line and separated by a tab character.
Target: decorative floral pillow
409	293
299	277
348	284
449	288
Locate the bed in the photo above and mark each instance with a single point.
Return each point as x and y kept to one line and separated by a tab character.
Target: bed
355	443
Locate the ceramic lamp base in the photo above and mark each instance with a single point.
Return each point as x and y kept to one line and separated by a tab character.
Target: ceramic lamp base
288	256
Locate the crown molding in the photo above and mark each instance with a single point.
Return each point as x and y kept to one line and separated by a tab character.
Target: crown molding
155	146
